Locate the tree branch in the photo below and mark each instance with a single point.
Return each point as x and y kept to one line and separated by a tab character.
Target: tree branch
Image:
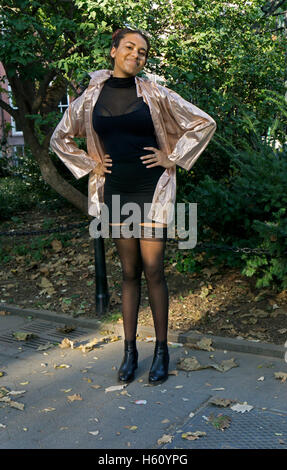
8	108
269	8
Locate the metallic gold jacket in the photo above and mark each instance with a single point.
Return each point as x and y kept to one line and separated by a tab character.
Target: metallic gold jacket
182	130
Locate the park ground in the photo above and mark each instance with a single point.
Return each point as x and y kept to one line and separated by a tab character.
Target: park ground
56	272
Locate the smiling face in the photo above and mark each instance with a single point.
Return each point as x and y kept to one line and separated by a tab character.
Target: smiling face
130	56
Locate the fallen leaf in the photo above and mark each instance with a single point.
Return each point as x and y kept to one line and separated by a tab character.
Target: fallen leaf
66	329
2	373
220	421
192	436
61	366
281	375
74	397
16	392
3	392
57	245
204	292
165	439
189	364
89	346
66	343
114	388
112	339
131	428
13	404
23	336
149	339
125	392
224	366
221	401
241	408
192	364
204	343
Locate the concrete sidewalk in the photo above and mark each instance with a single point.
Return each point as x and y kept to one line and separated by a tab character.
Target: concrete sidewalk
67	404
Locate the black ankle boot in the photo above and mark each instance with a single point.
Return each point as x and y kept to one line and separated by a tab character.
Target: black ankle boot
129	363
159	369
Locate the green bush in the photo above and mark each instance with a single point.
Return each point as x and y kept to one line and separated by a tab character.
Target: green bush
15	196
246	208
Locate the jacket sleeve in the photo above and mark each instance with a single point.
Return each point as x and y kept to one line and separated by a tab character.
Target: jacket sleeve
197	128
72	125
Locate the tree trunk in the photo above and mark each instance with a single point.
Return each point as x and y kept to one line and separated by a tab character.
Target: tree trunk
59	184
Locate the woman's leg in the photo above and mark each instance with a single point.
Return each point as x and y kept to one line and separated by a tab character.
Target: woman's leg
153	264
131	263
152	253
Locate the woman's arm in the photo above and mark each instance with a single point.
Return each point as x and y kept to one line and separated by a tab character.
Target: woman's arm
197	125
62	143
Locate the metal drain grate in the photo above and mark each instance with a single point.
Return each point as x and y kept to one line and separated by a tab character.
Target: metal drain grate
32	343
256	429
44	332
50	329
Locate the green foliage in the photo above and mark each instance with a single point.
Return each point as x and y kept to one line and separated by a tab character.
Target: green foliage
273	238
15	196
247	207
225	57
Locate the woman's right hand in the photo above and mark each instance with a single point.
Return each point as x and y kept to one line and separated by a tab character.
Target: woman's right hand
101	168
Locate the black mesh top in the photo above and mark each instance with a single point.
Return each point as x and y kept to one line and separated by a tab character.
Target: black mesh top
123	122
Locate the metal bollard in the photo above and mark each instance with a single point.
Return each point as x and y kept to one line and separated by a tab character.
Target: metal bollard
102	294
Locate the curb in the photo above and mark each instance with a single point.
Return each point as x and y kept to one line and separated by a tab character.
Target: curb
188	338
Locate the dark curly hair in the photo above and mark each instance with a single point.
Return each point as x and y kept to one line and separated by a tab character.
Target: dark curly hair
121	33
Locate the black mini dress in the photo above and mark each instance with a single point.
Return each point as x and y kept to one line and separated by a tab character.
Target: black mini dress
123	122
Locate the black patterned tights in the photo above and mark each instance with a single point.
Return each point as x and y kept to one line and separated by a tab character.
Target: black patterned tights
137	255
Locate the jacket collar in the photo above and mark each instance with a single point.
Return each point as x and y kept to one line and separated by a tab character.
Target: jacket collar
100	76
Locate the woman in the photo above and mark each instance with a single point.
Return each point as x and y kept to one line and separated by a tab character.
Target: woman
137	131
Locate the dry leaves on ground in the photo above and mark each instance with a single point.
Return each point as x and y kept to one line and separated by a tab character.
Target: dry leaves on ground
204	343
192	364
23	336
192	436
74	397
220	421
224	402
242	407
281	375
165	439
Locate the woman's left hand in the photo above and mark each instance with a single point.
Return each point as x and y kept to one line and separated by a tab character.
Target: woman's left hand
158	158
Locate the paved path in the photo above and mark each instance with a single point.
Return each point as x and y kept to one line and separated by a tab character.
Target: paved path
111	419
